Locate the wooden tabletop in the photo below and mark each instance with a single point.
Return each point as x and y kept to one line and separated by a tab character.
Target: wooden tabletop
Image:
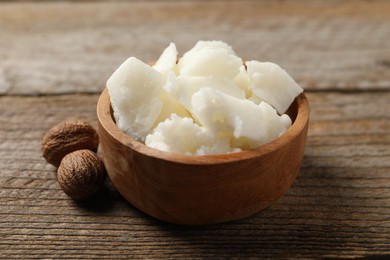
55	58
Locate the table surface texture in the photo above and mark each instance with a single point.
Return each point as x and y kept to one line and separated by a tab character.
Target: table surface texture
55	58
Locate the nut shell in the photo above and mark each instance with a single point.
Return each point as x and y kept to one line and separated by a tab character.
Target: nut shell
81	173
67	137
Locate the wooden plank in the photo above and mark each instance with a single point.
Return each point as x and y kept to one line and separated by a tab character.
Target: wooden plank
69	47
338	206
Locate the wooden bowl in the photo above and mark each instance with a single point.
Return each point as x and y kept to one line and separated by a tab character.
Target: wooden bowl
195	190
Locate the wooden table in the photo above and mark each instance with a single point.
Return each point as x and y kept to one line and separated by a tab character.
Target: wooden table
56	56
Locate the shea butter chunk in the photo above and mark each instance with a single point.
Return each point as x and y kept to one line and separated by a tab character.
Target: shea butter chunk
272	84
170	106
182	135
229	116
244	122
134	90
184	86
167	60
275	125
210	58
243	80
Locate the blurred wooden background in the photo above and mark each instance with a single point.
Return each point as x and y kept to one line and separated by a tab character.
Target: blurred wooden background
55	57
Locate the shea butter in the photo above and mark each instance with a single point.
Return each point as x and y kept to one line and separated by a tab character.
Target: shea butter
207	102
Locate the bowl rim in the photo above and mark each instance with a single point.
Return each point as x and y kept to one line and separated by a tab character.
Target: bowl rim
105	120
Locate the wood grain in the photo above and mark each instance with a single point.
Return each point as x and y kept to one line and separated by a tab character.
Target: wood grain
338	206
73	47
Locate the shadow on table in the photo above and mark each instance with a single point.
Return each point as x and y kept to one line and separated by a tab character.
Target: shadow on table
103	201
251	237
313	220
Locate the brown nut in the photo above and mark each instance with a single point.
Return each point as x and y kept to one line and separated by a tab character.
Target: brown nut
67	137
81	174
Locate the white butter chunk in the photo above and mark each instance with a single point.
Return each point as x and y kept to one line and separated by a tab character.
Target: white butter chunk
183	136
134	90
276	125
170	106
167	60
243	80
245	123
210	58
272	84
211	45
184	86
229	116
